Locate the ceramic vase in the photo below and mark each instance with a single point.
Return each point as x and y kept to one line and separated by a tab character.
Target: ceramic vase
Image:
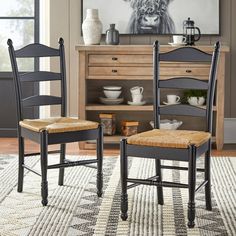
92	28
112	35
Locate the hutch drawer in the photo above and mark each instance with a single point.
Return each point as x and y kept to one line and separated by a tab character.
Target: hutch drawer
116	59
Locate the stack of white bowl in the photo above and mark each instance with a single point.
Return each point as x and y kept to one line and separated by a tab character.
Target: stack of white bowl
112	94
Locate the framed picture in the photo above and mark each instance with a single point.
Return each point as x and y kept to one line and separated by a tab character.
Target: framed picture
160	17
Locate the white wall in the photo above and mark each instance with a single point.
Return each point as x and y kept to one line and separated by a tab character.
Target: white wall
44	62
65	22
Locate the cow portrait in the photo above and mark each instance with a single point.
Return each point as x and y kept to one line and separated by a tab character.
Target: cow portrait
150	17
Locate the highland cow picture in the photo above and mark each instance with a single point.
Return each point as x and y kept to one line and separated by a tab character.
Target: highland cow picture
156	16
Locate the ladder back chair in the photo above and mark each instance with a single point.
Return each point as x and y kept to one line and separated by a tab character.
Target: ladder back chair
179	145
55	130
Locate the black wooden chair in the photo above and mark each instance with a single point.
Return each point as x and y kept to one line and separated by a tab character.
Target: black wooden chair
180	145
57	130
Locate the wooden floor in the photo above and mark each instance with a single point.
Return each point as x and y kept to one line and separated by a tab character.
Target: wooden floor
10	146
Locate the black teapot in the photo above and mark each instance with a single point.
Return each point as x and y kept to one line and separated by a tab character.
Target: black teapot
189	32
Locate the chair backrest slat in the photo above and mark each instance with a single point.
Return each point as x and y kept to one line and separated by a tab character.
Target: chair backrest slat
185	55
182	109
39	76
183	83
41	100
37	50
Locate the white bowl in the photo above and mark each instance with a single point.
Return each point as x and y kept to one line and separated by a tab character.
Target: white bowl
168	124
196	101
112	87
113	94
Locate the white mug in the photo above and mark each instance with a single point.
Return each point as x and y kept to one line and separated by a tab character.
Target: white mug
137	98
173	99
136	90
178	39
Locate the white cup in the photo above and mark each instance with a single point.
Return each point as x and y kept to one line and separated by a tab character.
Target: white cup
136	90
178	39
137	98
173	99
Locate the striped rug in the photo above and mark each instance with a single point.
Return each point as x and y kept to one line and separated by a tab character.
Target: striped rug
74	209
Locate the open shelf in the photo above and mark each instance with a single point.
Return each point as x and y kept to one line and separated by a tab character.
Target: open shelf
113	139
101	107
123	107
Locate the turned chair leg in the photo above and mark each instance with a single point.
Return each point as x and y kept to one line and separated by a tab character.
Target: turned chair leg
159	189
44	163
192	186
208	178
20	164
62	159
124	174
100	162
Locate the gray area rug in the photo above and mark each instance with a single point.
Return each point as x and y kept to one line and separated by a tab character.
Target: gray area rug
74	209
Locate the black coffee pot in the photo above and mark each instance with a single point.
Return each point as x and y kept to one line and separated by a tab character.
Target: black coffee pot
189	32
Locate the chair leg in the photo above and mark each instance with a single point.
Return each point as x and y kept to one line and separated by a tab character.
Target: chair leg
62	159
208	178
44	163
159	189
99	163
21	162
124	174
192	186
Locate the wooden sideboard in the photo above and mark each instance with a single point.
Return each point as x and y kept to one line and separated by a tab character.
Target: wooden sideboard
131	65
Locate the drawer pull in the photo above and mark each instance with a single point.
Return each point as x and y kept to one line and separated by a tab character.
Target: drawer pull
188	71
114	71
114	58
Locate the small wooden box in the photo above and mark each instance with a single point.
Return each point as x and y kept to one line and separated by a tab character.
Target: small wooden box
129	128
109	123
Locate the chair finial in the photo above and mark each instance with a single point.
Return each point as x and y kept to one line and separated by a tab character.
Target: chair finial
217	45
61	41
9	42
156	44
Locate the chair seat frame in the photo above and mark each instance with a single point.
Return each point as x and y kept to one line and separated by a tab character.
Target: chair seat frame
44	139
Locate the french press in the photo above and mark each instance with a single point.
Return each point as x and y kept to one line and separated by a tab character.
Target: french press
189	31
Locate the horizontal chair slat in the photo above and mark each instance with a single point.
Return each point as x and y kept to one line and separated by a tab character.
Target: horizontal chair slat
184	83
157	183
73	163
41	101
37	50
182	109
186	54
39	76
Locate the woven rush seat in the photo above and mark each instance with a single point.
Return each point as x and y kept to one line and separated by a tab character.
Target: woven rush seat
58	124
169	138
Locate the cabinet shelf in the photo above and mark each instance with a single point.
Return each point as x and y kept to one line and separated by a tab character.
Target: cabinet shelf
123	107
102	107
113	139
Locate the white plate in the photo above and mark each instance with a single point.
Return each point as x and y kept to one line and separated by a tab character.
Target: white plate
136	103
112	87
177	44
111	101
166	103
